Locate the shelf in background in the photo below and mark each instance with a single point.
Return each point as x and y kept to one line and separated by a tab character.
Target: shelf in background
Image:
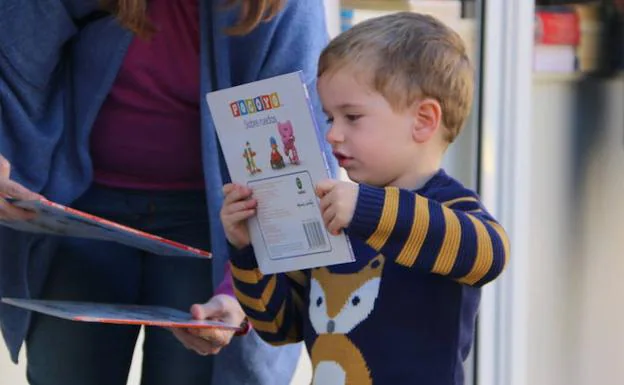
436	6
554	77
377	5
557	76
448	11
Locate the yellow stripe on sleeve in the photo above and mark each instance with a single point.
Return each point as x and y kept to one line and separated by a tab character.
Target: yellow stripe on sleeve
388	219
417	234
247	276
458	200
257	304
503	237
450	245
485	254
271	326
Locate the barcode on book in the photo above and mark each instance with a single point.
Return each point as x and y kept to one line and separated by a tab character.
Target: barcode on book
314	234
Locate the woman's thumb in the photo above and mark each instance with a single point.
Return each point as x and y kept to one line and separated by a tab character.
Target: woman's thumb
210	309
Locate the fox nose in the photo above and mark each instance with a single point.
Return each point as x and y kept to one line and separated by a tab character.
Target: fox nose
331	326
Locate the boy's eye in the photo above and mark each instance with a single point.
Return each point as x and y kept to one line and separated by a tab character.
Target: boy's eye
352	118
329	120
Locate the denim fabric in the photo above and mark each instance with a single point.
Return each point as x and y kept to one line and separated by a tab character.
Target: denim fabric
62	352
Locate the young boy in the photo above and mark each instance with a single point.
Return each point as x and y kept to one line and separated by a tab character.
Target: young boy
397	90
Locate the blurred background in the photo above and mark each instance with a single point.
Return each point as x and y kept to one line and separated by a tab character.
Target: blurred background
545	149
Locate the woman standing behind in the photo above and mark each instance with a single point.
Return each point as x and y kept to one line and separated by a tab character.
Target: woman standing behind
107	114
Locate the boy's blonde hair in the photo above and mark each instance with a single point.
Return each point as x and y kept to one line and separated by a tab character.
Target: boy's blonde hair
409	56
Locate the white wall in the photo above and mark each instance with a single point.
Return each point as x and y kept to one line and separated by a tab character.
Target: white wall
9	373
600	266
576	259
332	11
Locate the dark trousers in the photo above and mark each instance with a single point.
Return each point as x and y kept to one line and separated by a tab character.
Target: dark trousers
61	352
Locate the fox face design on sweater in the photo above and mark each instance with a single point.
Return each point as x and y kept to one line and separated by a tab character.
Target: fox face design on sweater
338	304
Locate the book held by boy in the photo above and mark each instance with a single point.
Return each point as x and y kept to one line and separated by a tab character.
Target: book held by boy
55	219
269	139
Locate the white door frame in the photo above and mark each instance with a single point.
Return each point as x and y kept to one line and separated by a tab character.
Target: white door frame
505	185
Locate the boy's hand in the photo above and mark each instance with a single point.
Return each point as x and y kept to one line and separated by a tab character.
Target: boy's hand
237	208
338	200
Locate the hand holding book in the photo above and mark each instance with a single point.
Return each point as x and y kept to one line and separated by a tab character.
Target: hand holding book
11	189
223	308
238	206
338	200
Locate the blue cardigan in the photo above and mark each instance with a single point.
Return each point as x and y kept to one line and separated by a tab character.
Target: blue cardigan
53	80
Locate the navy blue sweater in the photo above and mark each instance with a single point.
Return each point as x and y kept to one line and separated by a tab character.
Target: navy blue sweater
404	312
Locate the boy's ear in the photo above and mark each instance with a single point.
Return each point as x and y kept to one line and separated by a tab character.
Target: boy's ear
427	115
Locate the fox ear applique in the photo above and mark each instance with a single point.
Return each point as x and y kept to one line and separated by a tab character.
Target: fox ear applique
338	303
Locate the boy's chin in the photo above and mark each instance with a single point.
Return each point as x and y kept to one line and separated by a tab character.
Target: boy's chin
358	178
353	176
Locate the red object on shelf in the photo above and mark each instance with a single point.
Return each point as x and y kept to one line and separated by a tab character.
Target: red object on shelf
557	28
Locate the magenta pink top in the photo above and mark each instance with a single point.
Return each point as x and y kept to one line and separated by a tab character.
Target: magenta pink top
147	133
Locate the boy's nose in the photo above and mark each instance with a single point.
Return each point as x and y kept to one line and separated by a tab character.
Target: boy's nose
334	135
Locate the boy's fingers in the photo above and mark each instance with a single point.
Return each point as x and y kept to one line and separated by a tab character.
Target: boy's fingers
244	215
236	193
235	207
325	203
243	192
328	217
324	186
240	216
229	195
335	227
228	188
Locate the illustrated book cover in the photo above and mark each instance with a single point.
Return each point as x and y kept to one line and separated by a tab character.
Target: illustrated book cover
269	139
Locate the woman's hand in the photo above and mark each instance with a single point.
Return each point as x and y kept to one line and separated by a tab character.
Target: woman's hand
10	189
222	308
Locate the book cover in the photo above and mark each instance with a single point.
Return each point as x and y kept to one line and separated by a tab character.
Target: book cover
55	219
268	135
117	313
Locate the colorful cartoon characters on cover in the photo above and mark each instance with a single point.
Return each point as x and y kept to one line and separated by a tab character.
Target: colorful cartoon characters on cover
286	132
277	161
288	139
250	156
